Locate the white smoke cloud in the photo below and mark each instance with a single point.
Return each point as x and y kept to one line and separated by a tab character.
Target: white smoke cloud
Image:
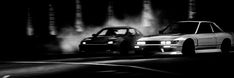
147	23
70	38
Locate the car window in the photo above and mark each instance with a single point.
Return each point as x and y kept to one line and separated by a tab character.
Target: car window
121	31
112	32
205	28
138	32
132	31
181	27
215	28
103	32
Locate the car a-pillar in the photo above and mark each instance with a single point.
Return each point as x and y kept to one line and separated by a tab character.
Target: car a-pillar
226	46
188	47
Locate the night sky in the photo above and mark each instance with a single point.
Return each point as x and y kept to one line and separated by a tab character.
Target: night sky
94	12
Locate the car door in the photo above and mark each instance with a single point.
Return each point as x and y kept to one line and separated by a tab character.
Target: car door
205	36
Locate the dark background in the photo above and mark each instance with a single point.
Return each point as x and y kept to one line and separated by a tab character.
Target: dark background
94	13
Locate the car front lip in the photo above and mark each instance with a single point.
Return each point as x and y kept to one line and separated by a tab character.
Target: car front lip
160	49
98	47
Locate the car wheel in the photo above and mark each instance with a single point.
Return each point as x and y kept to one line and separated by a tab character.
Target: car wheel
225	46
188	48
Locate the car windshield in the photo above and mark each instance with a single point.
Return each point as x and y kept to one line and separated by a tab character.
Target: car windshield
112	32
181	28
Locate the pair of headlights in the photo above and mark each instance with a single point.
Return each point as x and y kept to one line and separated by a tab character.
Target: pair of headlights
109	42
165	42
162	42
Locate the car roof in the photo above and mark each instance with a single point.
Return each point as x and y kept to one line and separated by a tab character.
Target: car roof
197	21
119	27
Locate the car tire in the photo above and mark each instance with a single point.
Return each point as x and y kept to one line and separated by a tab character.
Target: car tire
188	48
225	46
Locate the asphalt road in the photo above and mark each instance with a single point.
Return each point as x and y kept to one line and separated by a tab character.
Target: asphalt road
160	66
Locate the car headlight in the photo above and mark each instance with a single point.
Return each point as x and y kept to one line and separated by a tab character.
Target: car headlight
87	39
165	42
174	41
110	42
83	42
169	42
141	43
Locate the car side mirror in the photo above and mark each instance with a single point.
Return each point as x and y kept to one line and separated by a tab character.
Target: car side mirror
94	35
160	32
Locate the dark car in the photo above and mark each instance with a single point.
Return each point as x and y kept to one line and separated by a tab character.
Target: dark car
111	40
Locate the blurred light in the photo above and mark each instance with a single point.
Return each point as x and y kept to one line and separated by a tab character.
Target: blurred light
162	42
141	43
165	42
6	76
168	42
166	46
87	39
175	53
110	42
162	50
30	31
136	46
83	42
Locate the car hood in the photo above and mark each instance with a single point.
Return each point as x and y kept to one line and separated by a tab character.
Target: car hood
160	37
102	39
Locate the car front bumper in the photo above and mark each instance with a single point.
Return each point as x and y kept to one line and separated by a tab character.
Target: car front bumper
98	48
173	49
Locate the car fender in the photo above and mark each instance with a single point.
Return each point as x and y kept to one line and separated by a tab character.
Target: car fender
232	38
186	37
224	36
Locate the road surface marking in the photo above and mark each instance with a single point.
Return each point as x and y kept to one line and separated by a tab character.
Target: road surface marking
80	64
77	59
104	63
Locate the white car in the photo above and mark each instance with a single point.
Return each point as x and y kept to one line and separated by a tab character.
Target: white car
187	38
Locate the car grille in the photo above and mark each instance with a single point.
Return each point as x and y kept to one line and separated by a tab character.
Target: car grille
152	48
153	42
95	48
95	42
